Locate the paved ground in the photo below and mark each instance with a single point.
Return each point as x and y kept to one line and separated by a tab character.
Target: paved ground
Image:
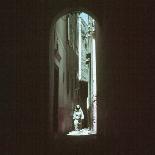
81	132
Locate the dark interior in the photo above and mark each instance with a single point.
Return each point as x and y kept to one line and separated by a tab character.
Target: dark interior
125	75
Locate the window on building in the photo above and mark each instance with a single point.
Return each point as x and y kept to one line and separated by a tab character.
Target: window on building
68	28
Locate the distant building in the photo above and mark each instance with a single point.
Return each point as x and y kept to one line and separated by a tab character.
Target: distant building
87	70
83	49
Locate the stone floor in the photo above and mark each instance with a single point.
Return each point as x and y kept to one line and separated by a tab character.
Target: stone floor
81	132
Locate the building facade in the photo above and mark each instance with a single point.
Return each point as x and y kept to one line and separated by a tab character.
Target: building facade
66	64
87	67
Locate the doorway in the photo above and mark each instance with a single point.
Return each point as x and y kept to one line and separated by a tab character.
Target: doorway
56	95
75	87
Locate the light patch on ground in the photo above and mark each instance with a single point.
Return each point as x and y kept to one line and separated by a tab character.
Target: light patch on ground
81	132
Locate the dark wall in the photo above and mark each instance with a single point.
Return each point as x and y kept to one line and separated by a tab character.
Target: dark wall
125	62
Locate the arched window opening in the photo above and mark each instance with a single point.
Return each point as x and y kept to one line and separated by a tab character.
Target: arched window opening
74	80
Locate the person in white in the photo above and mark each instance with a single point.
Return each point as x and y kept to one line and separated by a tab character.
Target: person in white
78	116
